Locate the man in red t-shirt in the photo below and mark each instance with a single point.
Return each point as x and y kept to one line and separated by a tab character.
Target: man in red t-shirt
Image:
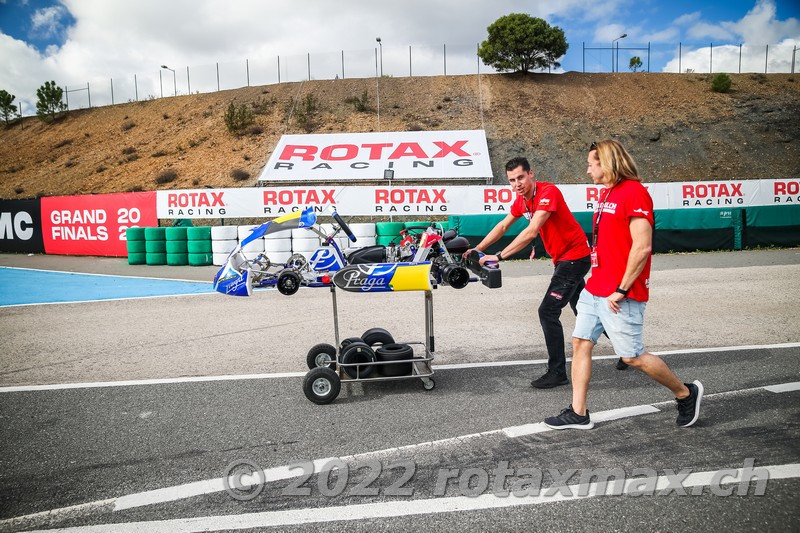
543	205
616	294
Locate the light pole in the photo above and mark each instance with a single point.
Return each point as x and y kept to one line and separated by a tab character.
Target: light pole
174	79
612	51
381	47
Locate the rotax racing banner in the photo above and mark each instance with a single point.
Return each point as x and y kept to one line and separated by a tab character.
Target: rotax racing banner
94	224
362	156
21	226
416	200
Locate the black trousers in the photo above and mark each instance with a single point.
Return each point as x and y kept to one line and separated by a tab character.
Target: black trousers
565	288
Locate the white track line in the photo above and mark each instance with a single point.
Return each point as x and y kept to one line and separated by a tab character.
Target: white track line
370	511
460	366
209	486
105	275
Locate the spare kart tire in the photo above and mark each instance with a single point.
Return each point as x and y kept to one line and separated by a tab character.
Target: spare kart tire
394	352
375	336
348	341
358	352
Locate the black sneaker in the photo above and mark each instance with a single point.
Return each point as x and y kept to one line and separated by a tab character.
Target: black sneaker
568	419
621	365
689	407
550	380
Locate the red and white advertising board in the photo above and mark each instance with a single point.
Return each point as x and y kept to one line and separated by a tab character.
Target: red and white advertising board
94	224
418	200
363	156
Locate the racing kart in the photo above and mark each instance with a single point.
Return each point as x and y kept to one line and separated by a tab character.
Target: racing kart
425	255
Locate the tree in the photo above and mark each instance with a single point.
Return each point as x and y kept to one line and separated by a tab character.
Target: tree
49	100
636	63
721	83
6	107
520	43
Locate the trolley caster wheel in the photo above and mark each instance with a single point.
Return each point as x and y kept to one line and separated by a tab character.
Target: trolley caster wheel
321	385
428	383
321	355
288	282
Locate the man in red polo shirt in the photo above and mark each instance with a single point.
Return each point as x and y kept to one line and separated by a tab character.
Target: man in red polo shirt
543	205
616	294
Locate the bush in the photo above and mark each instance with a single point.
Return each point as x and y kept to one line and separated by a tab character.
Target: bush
237	118
240	175
167	176
359	104
129	150
307	113
160	153
19	190
49	101
128	125
721	83
65	142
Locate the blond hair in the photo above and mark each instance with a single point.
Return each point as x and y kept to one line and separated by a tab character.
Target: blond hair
616	162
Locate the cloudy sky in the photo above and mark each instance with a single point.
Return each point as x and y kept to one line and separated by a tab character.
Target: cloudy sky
121	44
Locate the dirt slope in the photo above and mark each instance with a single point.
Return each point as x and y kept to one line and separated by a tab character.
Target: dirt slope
674	125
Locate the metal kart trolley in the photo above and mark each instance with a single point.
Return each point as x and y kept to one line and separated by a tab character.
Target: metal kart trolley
354	360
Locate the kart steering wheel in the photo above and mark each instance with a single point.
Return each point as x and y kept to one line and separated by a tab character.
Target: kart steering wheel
344	226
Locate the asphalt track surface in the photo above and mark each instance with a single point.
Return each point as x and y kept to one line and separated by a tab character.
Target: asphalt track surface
126	414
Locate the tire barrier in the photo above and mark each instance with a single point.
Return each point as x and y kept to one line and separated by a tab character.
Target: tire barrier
219	258
223	246
155	246
305	246
224	233
277	245
366	229
200	259
136	246
177	245
198	246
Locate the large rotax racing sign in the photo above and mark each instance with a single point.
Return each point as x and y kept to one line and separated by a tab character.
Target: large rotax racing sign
362	156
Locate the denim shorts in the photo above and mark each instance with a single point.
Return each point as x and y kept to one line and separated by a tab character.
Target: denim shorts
624	329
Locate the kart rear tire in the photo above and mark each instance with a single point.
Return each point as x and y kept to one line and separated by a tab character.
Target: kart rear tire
321	385
375	336
394	352
288	282
322	355
358	352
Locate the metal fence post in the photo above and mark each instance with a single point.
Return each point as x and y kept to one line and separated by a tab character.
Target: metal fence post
247	65
445	59
66	94
342	64
188	82
161	85
136	87
112	91
740	58
309	66
279	69
711	59
648	56
217	75
89	94
680	52
409	61
766	59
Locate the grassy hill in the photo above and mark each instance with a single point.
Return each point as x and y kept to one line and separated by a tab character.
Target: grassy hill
674	125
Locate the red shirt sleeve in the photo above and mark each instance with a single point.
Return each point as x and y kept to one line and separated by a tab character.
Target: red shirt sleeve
640	204
548	198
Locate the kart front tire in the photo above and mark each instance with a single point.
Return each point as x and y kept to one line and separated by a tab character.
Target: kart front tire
288	282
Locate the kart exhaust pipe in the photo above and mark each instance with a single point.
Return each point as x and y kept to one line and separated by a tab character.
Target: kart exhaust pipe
456	276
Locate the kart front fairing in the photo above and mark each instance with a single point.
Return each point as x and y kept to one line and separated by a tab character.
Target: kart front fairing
235	278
